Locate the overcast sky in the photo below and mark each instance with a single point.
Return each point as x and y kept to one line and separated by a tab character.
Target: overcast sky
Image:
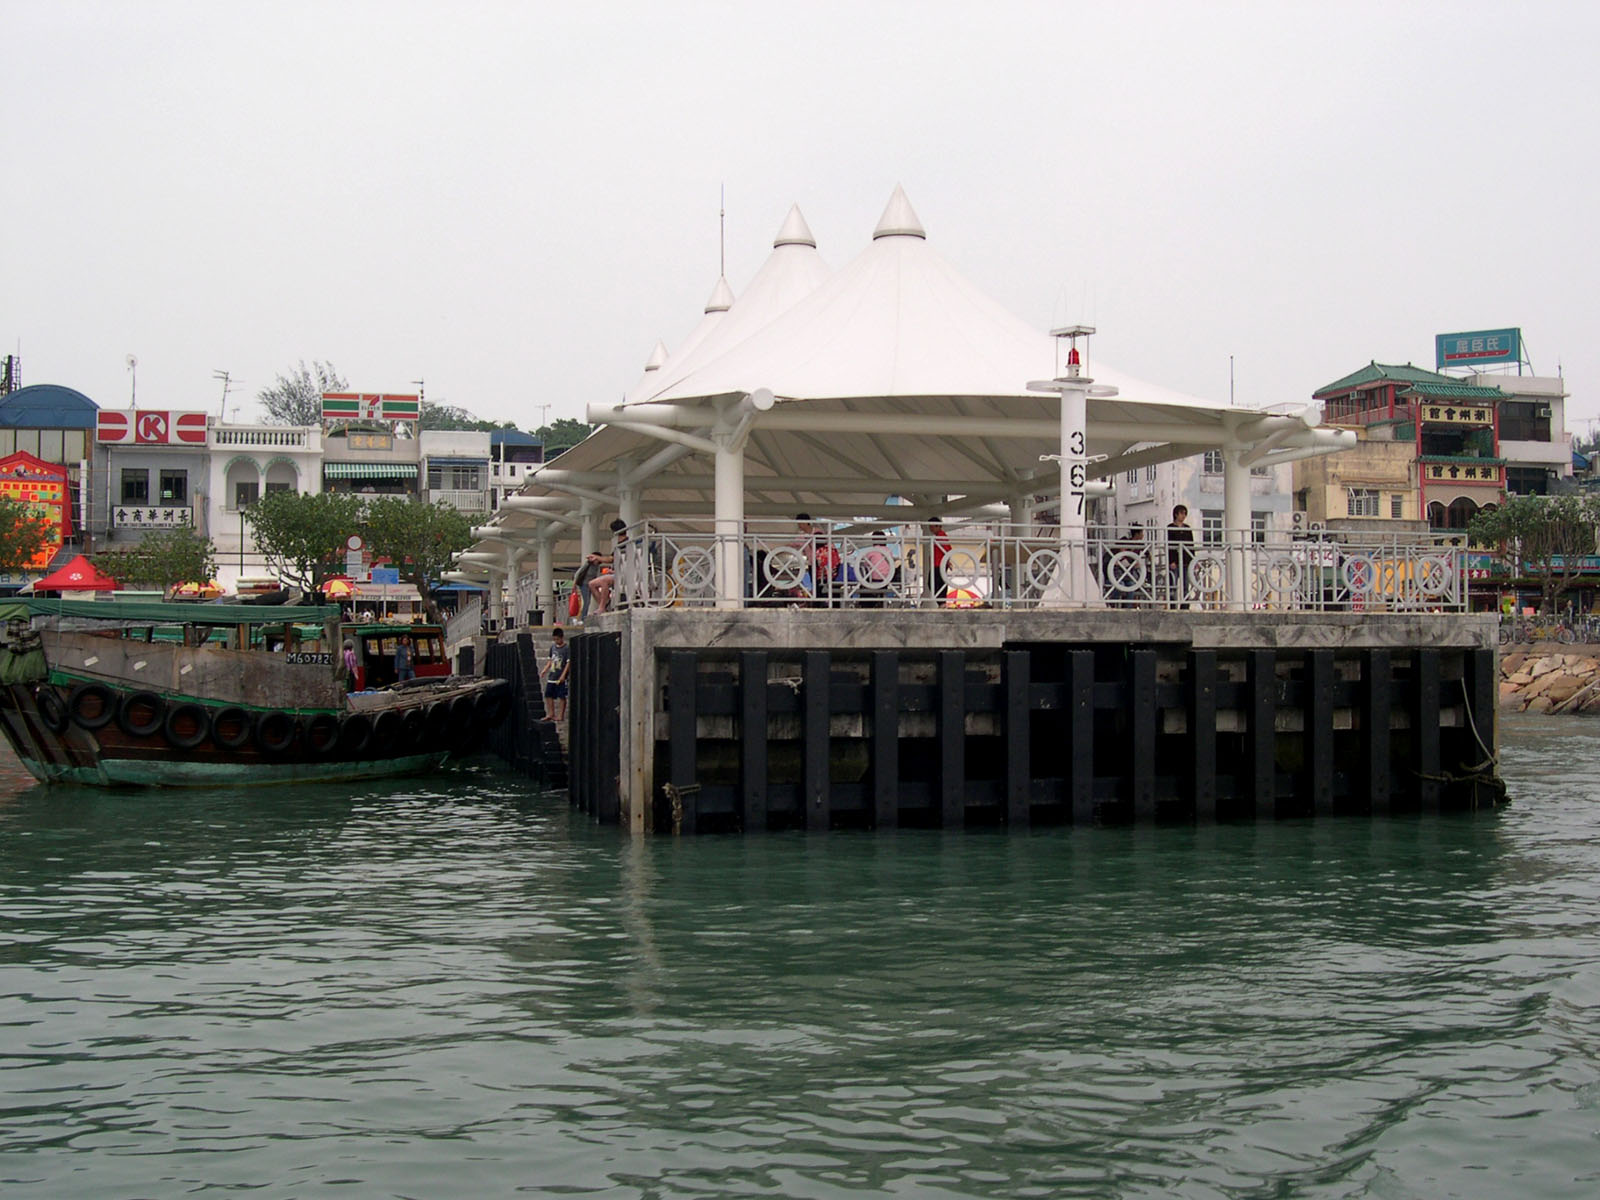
514	201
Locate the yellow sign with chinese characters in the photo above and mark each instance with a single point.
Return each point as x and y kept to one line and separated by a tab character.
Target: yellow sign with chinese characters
1456	414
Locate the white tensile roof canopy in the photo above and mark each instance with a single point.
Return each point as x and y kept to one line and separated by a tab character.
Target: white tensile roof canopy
894	377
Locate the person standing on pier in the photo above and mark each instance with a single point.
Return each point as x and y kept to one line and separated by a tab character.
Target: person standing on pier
1180	553
555	676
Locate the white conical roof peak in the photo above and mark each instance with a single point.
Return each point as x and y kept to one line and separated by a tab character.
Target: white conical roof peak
795	231
899	219
721	296
657	357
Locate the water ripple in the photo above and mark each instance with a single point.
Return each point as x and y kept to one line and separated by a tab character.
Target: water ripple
464	989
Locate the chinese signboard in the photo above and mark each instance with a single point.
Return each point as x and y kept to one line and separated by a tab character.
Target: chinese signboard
370	406
1461	473
150	427
1457	414
1478	348
43	487
127	516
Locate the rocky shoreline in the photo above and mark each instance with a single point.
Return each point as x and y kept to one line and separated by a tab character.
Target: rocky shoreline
1550	678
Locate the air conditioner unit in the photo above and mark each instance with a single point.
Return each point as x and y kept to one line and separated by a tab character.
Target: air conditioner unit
1542	411
1315	527
1298	520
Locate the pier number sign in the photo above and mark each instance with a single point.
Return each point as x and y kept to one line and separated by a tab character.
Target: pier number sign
1477	348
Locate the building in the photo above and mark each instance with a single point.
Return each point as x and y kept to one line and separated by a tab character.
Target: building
1442	430
456	469
1146	496
512	456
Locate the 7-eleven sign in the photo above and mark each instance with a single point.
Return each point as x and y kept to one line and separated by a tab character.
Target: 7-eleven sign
370	406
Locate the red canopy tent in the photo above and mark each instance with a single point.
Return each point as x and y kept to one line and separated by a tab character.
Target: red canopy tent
79	575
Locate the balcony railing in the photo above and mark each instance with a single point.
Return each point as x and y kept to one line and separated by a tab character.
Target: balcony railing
878	565
461	501
262	437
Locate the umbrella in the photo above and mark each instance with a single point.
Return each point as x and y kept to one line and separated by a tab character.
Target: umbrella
338	588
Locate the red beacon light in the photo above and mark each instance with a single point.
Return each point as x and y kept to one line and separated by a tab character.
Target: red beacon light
1072	358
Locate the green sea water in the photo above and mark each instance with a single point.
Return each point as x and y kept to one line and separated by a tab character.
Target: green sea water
458	987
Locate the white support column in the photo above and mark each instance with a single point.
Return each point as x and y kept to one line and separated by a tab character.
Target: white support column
1236	523
547	583
1079	582
497	602
729	521
513	582
590	537
1075	584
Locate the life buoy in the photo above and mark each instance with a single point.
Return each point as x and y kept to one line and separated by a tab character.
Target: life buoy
230	727
141	713
275	732
92	705
322	733
186	725
52	710
355	734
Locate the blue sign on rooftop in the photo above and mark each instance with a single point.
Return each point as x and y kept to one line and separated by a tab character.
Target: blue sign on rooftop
1477	348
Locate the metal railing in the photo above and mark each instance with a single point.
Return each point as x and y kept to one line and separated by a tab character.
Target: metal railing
868	564
260	436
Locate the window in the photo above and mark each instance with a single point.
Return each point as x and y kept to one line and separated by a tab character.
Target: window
1212	463
1363	502
1397	505
458	477
1261	472
1258	527
246	494
174	488
274	485
1133	476
135	486
1211	526
1150	473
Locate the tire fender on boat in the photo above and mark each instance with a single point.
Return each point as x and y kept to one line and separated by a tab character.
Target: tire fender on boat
435	725
128	714
187	713
386	730
230	727
275	732
355	734
322	733
52	709
92	705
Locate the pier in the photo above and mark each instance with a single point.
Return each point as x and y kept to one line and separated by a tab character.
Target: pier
690	722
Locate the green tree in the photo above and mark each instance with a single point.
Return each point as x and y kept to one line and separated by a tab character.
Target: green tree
23	534
1544	538
561	434
448	416
419	539
162	560
295	398
303	536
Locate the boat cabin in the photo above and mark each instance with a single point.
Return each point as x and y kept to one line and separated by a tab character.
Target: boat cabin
375	647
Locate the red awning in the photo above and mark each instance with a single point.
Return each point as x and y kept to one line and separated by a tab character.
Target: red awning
79	575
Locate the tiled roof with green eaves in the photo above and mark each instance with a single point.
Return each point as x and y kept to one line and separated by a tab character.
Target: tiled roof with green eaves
1417	379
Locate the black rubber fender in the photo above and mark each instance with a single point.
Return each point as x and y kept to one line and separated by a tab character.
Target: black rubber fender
141	714
322	733
275	732
231	727
355	735
92	705
186	725
52	709
386	730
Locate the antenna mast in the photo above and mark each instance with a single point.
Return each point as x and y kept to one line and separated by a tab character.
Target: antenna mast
722	234
227	385
133	385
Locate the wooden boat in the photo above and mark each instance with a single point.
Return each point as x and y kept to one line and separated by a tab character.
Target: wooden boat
159	694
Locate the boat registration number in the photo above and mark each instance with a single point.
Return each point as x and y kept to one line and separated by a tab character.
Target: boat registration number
307	658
